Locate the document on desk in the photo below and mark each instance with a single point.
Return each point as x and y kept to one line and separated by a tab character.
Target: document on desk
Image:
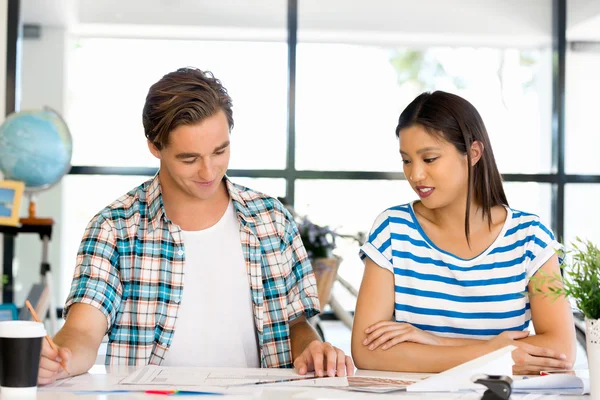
249	377
84	382
215	377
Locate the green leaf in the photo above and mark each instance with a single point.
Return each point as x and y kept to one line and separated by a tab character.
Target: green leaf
581	267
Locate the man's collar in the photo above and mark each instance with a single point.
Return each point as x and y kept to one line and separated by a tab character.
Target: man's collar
155	203
156	209
236	195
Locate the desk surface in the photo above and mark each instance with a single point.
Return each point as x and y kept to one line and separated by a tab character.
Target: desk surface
101	376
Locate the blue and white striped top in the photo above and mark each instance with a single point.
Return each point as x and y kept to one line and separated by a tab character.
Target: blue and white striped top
450	296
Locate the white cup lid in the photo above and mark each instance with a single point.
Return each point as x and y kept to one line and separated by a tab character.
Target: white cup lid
18	392
21	329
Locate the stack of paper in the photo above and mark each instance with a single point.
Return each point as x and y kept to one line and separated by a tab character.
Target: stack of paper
553	384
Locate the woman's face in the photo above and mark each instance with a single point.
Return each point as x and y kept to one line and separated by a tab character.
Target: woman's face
435	169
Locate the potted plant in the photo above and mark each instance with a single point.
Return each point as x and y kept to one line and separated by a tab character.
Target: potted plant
319	242
581	282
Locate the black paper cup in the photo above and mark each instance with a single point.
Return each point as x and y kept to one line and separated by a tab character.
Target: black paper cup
20	352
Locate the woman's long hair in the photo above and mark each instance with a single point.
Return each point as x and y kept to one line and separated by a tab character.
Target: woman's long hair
454	119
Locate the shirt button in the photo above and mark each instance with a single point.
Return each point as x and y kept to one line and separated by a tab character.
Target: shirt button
180	252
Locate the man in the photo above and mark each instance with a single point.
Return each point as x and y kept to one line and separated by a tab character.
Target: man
249	287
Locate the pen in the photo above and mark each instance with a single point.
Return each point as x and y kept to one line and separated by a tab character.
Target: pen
50	342
303	378
156	392
182	393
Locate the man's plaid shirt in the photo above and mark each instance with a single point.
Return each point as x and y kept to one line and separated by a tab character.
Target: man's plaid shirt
130	267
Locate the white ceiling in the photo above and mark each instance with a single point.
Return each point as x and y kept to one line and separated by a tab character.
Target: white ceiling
529	20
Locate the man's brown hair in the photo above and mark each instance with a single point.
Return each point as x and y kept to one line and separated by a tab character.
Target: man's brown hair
184	97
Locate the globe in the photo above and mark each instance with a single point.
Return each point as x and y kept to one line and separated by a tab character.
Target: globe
35	148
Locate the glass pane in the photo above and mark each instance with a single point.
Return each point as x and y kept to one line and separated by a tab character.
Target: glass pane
581	122
274	187
104	113
531	197
352	84
582	216
581	87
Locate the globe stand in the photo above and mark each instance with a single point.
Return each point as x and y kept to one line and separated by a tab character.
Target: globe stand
45	272
32	219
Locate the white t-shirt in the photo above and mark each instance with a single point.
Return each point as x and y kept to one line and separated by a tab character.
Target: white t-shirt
215	323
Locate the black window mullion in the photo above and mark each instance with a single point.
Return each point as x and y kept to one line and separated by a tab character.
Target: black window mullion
559	46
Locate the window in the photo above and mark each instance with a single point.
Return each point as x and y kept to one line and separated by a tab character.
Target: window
582	85
582	215
531	197
105	99
272	187
349	98
357	66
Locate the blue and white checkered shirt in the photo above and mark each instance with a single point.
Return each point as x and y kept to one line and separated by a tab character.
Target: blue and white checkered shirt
130	267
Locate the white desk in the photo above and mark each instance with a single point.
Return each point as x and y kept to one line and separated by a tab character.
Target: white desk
102	377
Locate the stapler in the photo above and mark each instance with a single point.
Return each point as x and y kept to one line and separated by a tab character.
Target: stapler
499	387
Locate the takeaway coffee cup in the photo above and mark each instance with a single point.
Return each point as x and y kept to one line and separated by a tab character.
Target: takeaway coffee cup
20	351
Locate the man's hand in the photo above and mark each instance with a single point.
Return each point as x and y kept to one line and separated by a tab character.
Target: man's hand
324	359
386	334
530	359
50	368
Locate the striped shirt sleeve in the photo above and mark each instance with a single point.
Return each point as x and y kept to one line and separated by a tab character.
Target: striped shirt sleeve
378	245
541	248
96	280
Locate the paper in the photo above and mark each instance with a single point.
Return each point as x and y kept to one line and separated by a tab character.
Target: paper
203	377
85	382
553	384
498	362
247	377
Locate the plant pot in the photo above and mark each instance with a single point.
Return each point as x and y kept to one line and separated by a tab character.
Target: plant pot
592	328
325	270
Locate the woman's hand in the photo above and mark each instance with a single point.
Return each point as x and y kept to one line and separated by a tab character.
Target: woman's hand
386	334
530	359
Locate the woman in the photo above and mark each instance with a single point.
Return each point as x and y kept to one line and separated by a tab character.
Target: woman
445	276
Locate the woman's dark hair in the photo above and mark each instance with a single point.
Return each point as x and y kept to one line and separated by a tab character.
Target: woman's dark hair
454	119
183	97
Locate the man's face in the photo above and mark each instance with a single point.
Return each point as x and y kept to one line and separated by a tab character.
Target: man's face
196	159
